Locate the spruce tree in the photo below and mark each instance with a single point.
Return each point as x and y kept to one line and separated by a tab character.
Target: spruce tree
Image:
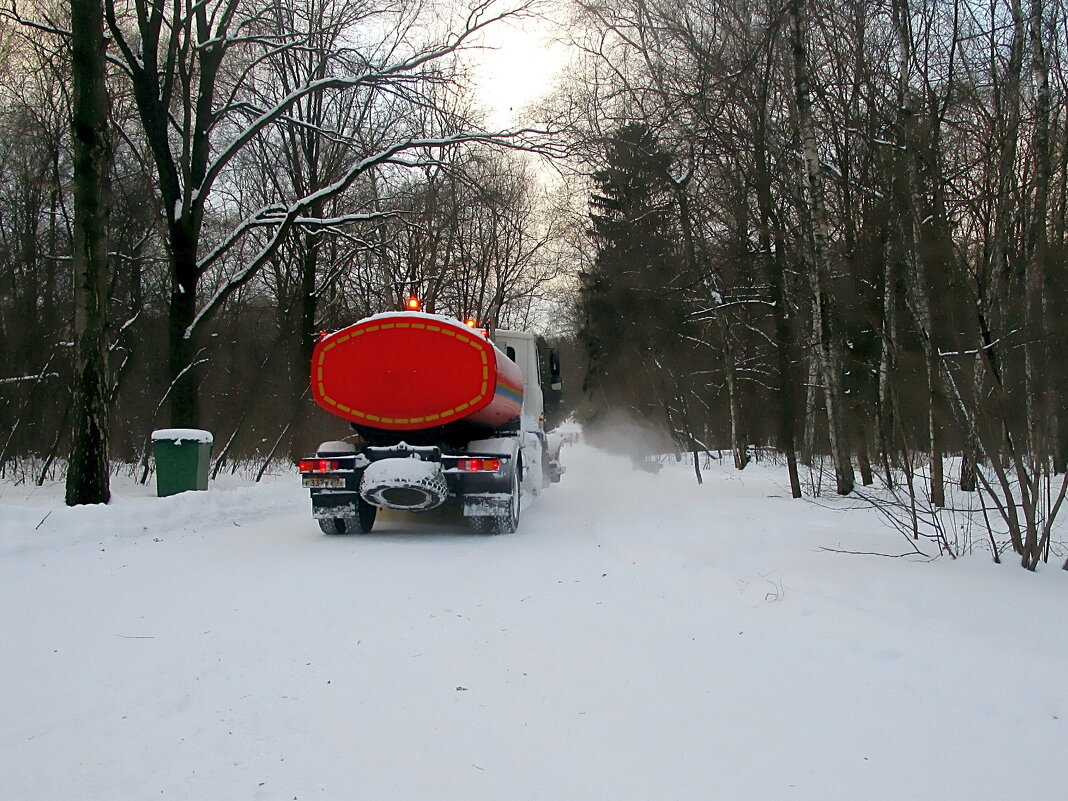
630	301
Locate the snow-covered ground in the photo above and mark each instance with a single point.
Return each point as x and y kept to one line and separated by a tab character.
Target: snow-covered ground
640	637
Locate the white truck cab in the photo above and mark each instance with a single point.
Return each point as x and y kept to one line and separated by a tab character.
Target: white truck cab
541	382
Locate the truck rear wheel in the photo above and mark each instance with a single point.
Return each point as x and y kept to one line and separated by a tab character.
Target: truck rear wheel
361	524
509	522
483	524
333	525
506	523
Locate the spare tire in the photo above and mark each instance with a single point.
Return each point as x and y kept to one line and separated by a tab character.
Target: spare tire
406	484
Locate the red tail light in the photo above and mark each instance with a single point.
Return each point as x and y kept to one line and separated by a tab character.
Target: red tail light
479	465
318	465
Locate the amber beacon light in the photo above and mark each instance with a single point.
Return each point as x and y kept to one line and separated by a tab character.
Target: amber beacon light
414	304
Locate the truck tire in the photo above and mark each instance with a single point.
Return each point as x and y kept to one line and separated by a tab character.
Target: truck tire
483	524
506	523
361	524
509	522
333	525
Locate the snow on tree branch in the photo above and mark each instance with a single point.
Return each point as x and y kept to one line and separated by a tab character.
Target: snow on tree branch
477	20
24	378
289	219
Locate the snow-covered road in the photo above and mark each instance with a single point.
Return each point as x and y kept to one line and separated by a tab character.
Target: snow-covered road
640	637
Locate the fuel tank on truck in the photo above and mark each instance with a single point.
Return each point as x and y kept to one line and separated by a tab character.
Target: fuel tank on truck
407	371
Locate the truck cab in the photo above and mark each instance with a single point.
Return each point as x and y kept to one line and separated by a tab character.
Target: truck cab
541	398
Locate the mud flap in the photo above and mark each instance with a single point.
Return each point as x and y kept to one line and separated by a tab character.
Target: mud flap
486	504
326	505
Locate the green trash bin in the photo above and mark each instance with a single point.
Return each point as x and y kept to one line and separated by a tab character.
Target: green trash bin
182	459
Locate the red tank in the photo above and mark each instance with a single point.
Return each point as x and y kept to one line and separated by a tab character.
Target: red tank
407	371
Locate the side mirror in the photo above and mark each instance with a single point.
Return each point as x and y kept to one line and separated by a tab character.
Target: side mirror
554	370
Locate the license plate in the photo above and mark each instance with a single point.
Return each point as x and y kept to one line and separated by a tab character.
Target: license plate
330	482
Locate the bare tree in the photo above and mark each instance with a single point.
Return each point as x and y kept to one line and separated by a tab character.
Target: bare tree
193	68
824	325
88	474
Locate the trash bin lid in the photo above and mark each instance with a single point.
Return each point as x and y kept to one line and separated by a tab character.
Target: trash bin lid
183	435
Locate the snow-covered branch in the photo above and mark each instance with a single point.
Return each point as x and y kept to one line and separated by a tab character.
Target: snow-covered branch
122	330
329	222
24	378
285	222
45	26
977	351
400	70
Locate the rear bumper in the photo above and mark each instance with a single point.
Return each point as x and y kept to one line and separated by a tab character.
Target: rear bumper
479	492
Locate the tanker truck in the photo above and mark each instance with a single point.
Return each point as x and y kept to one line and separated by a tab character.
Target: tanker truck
443	414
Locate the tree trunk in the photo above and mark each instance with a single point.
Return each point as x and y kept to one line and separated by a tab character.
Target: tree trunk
738	445
1007	108
886	407
812	401
302	341
827	346
1039	306
1039	402
862	449
88	477
934	427
1055	319
185	391
907	192
773	248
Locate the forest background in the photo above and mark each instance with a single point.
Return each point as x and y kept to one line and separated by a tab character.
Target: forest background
831	230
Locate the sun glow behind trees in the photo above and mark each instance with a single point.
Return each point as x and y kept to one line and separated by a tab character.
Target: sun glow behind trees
518	62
